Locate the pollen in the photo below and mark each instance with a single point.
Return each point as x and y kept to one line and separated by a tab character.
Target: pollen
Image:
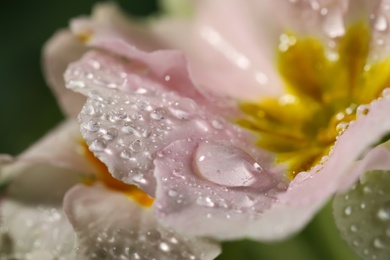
104	176
324	91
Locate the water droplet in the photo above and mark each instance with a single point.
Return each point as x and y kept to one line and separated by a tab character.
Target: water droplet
205	201
381	23
354	228
92	126
384	212
379	243
98	145
172	193
386	93
136	145
164	247
227	165
217	124
362	110
128	129
75	84
158	114
348	210
111	134
333	24
126	154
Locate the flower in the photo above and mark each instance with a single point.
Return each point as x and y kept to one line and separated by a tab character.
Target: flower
247	126
60	204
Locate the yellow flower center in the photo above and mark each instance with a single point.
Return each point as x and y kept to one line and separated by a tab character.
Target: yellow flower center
110	182
324	92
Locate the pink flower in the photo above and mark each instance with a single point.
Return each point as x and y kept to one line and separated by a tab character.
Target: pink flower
240	121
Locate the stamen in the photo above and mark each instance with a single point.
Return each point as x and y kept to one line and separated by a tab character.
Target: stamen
323	95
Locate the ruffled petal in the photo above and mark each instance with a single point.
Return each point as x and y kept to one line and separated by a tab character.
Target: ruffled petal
62	49
32	221
133	233
129	115
236	65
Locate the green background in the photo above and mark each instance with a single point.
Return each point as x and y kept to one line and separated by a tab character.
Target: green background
28	110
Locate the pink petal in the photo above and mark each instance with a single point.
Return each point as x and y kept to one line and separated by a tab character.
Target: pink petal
62	49
31	214
282	213
191	181
243	59
129	116
133	233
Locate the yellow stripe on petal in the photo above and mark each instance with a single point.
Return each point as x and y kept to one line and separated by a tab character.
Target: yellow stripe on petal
104	176
323	93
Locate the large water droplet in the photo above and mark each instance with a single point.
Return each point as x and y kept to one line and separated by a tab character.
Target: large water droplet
227	165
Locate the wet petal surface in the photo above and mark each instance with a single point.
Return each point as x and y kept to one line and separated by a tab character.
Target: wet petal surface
131	234
129	117
33	223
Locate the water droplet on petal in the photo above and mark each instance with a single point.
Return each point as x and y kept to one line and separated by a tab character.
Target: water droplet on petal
98	145
158	114
381	23
225	164
136	145
111	134
164	247
205	201
386	93
92	126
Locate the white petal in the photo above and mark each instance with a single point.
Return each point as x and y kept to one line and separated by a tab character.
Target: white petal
110	225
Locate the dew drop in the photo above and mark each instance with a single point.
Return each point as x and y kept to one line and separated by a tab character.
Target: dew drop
92	126
126	154
172	193
357	241
205	201
98	145
158	114
386	93
379	243
227	165
354	228
384	212
381	23
362	110
348	210
136	145
164	247
128	129
111	134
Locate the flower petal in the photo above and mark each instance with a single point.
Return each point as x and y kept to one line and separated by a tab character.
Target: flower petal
62	49
192	178
131	234
129	116
235	52
289	210
363	214
62	147
32	222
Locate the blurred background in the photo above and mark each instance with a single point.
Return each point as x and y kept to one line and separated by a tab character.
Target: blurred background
28	110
